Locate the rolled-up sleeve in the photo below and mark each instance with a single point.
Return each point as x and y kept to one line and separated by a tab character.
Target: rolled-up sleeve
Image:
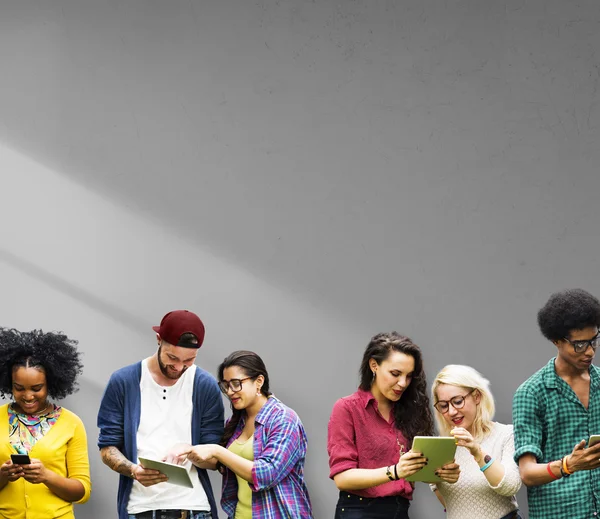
341	440
528	426
285	445
78	466
511	482
111	415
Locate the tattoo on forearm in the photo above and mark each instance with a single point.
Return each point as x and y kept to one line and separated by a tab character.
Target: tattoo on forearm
115	459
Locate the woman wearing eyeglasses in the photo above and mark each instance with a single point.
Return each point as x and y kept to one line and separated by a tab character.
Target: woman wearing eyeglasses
262	452
370	432
489	476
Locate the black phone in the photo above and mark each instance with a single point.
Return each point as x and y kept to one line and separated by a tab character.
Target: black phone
20	459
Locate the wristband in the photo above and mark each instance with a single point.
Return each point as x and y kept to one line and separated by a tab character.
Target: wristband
388	473
564	470
396	472
132	473
550	471
487	465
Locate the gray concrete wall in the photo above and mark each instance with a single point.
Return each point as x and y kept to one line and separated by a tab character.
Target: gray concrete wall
302	174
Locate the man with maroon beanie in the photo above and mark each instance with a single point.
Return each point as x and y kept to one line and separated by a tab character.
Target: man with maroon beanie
152	405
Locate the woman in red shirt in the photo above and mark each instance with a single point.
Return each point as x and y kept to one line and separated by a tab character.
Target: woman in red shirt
370	432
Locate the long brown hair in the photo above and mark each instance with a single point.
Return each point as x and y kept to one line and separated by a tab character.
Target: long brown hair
412	414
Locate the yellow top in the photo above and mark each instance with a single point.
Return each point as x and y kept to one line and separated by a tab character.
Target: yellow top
62	450
243	510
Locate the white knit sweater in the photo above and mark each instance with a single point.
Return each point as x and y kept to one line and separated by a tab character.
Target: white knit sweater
472	497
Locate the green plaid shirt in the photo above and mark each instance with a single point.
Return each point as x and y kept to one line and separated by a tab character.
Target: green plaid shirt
549	420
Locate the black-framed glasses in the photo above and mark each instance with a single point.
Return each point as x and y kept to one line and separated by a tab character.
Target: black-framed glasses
235	384
458	402
581	346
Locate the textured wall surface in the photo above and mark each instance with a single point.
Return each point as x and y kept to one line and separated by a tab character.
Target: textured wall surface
302	174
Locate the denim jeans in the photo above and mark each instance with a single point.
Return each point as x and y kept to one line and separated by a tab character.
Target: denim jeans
351	506
192	514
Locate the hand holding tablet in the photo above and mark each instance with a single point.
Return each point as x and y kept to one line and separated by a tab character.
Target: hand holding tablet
439	451
176	474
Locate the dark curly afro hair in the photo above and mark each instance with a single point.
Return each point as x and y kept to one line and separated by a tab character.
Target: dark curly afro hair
55	353
573	309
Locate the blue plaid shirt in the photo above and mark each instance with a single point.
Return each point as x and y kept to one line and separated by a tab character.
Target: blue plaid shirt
278	488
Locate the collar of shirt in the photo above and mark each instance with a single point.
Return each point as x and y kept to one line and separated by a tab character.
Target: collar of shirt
263	415
366	398
551	378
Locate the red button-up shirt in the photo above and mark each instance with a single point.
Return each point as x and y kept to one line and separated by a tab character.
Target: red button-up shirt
358	437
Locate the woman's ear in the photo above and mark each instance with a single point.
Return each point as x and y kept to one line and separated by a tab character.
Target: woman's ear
373	364
477	396
259	381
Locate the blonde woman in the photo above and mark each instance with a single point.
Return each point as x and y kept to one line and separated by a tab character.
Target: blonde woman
489	477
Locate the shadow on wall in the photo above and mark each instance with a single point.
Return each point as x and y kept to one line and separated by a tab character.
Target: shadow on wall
61	285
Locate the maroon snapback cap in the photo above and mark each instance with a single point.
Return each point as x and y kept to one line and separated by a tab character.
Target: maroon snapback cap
178	322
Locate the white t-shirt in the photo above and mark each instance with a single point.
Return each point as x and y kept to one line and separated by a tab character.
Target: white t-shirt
165	420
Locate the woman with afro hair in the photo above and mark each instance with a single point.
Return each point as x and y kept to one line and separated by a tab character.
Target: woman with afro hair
35	366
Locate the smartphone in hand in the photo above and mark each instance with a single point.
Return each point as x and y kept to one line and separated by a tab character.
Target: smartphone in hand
20	459
594	439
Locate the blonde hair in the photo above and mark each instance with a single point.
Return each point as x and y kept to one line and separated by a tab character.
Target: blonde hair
471	380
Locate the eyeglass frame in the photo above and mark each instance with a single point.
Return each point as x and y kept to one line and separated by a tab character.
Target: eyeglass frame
449	402
228	386
585	343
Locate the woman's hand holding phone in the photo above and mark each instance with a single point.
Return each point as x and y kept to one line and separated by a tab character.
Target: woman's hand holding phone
9	471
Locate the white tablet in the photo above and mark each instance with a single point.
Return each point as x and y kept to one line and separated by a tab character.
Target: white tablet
177	474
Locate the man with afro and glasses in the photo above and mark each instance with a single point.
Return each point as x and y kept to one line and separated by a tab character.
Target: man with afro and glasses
557	409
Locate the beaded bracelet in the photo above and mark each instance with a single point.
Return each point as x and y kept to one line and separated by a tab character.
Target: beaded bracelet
487	465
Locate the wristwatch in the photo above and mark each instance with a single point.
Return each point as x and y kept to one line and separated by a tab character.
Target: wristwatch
562	471
388	473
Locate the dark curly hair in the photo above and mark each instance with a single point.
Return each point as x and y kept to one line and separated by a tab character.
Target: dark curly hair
54	353
573	309
252	366
412	414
